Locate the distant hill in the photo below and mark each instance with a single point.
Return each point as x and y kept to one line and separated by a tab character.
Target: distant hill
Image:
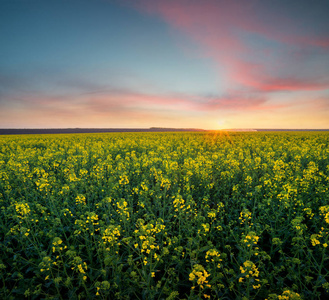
269	129
91	130
152	129
260	129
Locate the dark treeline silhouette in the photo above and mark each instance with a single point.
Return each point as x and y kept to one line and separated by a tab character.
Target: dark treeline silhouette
91	130
99	130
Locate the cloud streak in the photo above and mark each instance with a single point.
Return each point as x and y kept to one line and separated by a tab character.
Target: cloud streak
120	101
224	30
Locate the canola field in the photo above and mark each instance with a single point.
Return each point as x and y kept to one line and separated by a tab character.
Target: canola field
165	216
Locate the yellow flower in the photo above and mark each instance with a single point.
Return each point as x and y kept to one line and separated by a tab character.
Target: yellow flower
80	200
23	209
314	239
200	274
287	295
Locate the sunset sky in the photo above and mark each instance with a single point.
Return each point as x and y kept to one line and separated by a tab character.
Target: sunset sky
210	64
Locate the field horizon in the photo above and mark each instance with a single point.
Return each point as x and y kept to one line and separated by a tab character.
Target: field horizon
5	131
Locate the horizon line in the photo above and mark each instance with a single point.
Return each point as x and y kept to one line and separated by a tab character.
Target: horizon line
146	129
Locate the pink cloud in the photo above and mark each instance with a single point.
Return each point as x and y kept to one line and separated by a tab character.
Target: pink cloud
292	84
234	102
221	28
130	102
123	101
134	101
127	103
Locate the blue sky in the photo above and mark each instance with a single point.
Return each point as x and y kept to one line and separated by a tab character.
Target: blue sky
207	64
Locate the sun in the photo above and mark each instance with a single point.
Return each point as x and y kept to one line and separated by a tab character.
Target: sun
220	124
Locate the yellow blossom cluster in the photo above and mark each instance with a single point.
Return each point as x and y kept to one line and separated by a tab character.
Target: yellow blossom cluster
122	208
205	227
298	225
317	237
245	216
213	255
67	212
79	266
88	222
80	200
199	275
23	209
123	180
180	206
308	212
212	214
110	235
250	239
250	272
314	239
324	211
146	234
45	264
289	295
58	245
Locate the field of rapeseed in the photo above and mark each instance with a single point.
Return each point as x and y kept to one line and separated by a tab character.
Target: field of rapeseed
165	216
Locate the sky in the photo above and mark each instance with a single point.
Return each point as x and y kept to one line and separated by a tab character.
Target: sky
210	64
